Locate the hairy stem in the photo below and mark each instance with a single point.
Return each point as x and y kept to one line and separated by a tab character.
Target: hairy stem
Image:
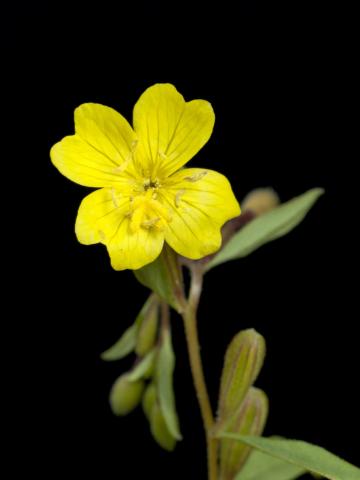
190	323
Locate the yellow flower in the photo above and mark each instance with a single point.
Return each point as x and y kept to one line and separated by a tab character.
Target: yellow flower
146	197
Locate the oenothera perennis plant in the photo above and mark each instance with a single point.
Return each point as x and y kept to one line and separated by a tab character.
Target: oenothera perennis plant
156	218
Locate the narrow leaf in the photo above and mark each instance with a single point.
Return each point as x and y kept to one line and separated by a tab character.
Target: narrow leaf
305	455
261	466
127	341
267	227
164	376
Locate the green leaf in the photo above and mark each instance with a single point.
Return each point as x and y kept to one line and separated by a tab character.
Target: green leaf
305	455
164	277
164	377
265	228
143	368
261	466
126	343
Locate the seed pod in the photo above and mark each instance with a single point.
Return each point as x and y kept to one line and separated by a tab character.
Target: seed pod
149	400
159	429
125	396
250	420
243	361
148	330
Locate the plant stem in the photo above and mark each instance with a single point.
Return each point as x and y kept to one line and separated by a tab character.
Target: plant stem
190	323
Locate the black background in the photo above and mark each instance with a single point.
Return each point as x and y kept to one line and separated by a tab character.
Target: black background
272	78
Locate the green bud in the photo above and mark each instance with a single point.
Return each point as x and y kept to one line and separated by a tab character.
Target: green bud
159	429
125	396
148	330
260	201
149	400
250	420
243	361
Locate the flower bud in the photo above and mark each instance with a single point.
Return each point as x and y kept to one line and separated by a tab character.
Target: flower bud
250	420
260	201
243	361
148	330
125	396
160	430
149	400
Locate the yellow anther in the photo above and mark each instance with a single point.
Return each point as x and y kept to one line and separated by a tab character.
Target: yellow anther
196	177
178	196
154	222
163	156
147	212
134	144
114	199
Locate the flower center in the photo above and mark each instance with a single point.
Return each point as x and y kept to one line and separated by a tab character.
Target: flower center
146	211
154	184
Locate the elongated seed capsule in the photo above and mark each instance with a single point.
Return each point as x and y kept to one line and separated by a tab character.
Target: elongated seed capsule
250	420
243	361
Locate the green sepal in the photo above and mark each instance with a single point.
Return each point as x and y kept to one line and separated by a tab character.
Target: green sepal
164	277
265	228
243	361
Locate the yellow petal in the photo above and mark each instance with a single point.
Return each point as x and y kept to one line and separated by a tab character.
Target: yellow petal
81	163
101	149
100	215
201	201
170	130
106	130
104	218
132	250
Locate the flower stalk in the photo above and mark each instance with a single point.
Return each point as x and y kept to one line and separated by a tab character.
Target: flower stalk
190	324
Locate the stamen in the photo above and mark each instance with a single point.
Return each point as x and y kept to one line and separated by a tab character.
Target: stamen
128	159
163	156
196	177
178	196
114	199
151	223
134	144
